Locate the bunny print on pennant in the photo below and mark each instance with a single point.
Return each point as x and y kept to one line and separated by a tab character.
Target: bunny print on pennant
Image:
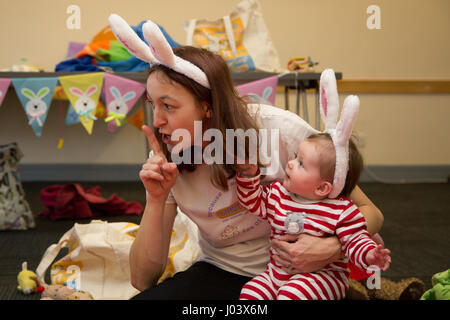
117	108
35	107
84	105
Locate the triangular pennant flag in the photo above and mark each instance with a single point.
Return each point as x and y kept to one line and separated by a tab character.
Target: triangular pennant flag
120	96
4	85
83	92
260	91
35	94
137	119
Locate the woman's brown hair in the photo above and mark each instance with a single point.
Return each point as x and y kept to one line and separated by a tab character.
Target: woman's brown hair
228	109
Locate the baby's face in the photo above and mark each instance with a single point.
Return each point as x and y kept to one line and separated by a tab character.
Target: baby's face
303	172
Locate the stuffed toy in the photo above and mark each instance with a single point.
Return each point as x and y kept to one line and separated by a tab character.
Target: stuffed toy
441	287
406	289
61	292
28	282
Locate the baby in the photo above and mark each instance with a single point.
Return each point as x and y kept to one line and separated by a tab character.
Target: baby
300	204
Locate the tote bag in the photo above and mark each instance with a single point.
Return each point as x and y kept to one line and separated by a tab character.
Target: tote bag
98	257
15	212
241	38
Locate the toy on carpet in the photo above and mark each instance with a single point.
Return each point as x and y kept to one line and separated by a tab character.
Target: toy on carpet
441	287
61	292
406	289
28	282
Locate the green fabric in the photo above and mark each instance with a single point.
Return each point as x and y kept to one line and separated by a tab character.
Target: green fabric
116	52
441	287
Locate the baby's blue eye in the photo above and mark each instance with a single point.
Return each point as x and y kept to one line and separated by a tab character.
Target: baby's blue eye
168	107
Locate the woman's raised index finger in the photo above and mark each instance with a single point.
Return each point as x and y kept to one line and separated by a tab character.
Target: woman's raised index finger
152	141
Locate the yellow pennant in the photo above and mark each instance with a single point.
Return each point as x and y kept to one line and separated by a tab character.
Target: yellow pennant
83	92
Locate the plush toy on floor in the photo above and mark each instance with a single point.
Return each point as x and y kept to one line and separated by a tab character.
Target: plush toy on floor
28	282
406	289
61	292
441	287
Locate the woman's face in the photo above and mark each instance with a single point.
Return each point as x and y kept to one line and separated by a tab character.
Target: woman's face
174	107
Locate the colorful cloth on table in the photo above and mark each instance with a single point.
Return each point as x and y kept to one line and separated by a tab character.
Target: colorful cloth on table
109	54
72	201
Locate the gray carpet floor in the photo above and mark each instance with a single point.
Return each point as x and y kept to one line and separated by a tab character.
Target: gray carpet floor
416	229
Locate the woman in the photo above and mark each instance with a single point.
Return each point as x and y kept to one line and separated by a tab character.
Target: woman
195	87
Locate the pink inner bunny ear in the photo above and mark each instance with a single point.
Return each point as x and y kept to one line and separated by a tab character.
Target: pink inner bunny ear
348	117
76	91
159	46
91	90
324	101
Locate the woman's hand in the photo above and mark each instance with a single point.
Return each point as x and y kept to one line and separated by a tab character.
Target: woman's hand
157	175
305	253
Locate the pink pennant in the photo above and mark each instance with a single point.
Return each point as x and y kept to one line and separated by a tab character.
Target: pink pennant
120	96
4	85
260	91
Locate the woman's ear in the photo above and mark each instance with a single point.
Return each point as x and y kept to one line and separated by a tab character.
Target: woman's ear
207	110
323	189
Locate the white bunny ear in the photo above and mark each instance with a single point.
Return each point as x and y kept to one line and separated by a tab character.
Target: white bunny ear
129	39
164	53
161	49
158	50
348	117
329	99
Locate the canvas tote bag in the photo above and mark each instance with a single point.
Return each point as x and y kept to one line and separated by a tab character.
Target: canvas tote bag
98	257
97	261
241	38
15	212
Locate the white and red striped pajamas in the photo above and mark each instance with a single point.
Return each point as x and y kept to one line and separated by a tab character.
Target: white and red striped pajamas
323	218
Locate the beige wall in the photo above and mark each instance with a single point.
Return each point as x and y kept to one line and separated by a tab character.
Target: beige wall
397	129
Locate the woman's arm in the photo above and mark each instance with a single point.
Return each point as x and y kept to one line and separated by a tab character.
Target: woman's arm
371	213
148	254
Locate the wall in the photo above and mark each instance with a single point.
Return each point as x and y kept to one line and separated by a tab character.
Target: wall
397	129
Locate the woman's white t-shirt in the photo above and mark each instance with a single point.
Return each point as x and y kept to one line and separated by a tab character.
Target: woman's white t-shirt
229	236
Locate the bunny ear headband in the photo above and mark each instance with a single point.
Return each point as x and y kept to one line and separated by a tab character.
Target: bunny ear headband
157	52
341	131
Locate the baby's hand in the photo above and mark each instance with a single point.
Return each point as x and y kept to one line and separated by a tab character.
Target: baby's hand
379	257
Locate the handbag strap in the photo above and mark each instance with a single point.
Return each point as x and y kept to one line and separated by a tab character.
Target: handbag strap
230	34
49	256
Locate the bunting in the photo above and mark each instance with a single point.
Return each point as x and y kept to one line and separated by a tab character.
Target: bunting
35	94
121	95
83	92
260	91
4	85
